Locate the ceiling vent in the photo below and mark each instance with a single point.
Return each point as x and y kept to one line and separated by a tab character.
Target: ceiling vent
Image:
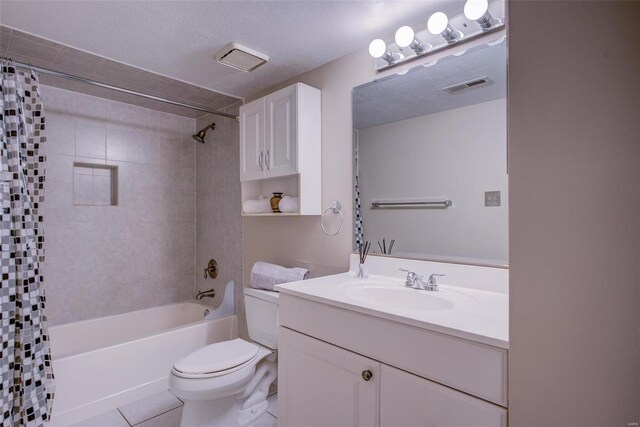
240	57
471	84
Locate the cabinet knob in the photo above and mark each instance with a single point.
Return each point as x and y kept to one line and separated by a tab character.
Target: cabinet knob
367	375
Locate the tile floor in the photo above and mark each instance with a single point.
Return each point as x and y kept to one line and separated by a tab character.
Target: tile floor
162	410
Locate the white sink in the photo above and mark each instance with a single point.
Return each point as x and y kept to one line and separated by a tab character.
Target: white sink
465	312
395	297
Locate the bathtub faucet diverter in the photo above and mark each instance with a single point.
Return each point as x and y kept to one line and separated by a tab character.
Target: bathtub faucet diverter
211	293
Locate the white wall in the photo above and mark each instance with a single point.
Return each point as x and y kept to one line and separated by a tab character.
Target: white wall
102	260
456	154
574	179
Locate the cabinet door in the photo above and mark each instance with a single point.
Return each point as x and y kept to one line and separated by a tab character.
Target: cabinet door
252	140
281	154
323	385
409	400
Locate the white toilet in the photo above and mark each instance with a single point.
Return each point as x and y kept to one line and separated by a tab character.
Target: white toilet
226	383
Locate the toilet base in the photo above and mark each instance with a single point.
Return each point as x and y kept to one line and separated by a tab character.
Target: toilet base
221	412
239	410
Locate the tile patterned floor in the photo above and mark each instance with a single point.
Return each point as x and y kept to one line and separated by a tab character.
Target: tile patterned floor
162	410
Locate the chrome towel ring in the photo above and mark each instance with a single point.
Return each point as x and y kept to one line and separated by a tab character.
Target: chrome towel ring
336	209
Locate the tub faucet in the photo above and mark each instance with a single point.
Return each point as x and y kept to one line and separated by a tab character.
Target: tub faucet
211	293
418	282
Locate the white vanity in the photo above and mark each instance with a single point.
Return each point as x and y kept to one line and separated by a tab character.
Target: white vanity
372	352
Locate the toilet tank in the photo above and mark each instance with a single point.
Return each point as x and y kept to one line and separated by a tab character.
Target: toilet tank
261	308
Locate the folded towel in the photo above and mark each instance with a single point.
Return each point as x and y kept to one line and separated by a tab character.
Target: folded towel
257	206
266	276
289	204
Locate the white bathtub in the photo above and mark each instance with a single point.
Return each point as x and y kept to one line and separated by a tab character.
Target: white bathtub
104	363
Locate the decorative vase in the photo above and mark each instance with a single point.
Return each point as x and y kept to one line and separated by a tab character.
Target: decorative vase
275	202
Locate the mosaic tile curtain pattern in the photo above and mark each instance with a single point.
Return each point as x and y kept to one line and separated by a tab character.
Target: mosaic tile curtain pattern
358	229
26	374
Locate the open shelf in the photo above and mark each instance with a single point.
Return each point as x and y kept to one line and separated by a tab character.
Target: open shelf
288	185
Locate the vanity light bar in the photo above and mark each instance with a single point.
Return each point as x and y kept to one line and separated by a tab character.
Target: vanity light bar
438	24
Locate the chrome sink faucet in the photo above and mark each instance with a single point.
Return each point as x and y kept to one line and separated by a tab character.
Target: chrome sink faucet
416	281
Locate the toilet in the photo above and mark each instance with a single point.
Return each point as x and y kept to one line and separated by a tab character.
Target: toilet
226	383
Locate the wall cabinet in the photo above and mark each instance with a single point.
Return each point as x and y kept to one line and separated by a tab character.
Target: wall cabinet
324	385
252	125
281	126
280	139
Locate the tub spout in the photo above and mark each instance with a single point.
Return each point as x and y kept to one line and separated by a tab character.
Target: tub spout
211	293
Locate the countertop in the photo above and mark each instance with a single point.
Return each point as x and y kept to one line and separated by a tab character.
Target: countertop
477	315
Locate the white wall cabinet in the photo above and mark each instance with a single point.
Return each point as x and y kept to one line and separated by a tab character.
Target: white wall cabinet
280	146
324	385
281	126
252	131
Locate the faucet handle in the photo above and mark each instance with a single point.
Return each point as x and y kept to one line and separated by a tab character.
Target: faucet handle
409	273
433	279
410	279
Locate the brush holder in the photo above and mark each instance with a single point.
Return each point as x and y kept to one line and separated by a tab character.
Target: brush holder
362	272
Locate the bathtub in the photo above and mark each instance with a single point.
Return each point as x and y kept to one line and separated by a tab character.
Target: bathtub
104	363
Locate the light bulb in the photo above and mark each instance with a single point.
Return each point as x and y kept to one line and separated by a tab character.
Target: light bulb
377	48
437	23
475	9
405	36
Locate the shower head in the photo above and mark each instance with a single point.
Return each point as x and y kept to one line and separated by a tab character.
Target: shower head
203	132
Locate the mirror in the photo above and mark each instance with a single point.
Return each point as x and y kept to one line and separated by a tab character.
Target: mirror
431	160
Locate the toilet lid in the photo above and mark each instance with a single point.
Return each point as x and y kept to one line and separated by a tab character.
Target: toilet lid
217	357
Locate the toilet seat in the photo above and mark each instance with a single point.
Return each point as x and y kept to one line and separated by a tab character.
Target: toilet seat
218	359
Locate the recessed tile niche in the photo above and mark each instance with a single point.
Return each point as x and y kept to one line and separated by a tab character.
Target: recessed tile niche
95	184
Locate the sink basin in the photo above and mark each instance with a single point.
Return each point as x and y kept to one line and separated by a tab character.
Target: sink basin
397	297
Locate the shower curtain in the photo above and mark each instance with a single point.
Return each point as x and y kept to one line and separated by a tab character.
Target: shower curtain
357	211
26	379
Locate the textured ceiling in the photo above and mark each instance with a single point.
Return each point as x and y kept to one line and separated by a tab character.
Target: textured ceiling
33	50
420	91
178	38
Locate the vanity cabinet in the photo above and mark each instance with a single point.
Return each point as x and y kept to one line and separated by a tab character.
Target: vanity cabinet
280	146
419	377
324	385
409	400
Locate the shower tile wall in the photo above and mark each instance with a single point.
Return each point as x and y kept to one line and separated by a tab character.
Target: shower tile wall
218	207
103	260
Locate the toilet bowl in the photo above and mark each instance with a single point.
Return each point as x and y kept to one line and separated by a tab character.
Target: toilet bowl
226	383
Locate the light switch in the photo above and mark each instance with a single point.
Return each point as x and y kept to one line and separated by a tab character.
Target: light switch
491	198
